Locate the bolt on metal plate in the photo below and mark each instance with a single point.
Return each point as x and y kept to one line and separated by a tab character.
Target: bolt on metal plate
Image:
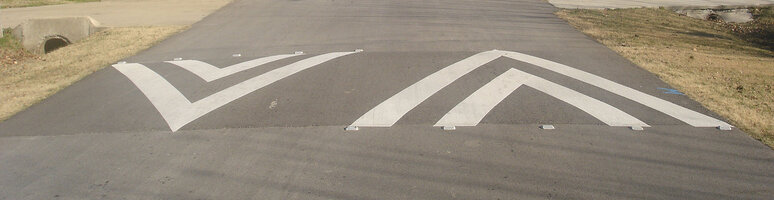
547	127
351	128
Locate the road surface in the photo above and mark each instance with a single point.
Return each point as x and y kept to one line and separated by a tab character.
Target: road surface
373	99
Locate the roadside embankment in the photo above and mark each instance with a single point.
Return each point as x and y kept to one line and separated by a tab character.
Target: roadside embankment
127	27
602	4
727	67
36	78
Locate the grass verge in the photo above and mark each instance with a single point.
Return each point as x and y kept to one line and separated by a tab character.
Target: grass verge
727	70
32	3
32	80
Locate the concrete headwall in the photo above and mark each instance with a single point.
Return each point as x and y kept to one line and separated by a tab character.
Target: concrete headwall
34	33
1	24
727	15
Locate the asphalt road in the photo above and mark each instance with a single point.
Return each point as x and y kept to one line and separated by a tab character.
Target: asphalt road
253	102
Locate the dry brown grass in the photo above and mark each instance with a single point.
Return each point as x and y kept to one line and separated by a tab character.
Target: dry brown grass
30	3
703	59
33	80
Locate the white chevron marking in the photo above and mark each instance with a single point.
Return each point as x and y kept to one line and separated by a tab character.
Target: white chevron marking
688	116
474	108
210	73
390	111
179	111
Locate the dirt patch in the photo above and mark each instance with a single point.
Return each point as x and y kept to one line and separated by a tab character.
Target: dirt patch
31	80
709	61
31	3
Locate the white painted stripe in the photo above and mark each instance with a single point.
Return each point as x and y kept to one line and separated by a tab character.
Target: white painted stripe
473	109
391	110
604	112
688	116
211	73
179	111
165	97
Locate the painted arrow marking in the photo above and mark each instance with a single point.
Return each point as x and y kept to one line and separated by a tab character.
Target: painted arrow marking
474	108
178	111
210	73
391	110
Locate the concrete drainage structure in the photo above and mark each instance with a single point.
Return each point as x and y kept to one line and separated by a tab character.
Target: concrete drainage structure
726	15
45	35
54	42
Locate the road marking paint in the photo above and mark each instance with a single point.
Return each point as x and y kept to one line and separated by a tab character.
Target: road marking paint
210	73
474	108
178	111
604	112
688	116
273	104
670	91
390	111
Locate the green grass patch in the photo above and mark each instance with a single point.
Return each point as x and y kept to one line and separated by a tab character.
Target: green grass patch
8	41
11	50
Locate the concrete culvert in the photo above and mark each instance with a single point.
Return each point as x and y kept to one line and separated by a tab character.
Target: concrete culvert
54	43
714	17
45	35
